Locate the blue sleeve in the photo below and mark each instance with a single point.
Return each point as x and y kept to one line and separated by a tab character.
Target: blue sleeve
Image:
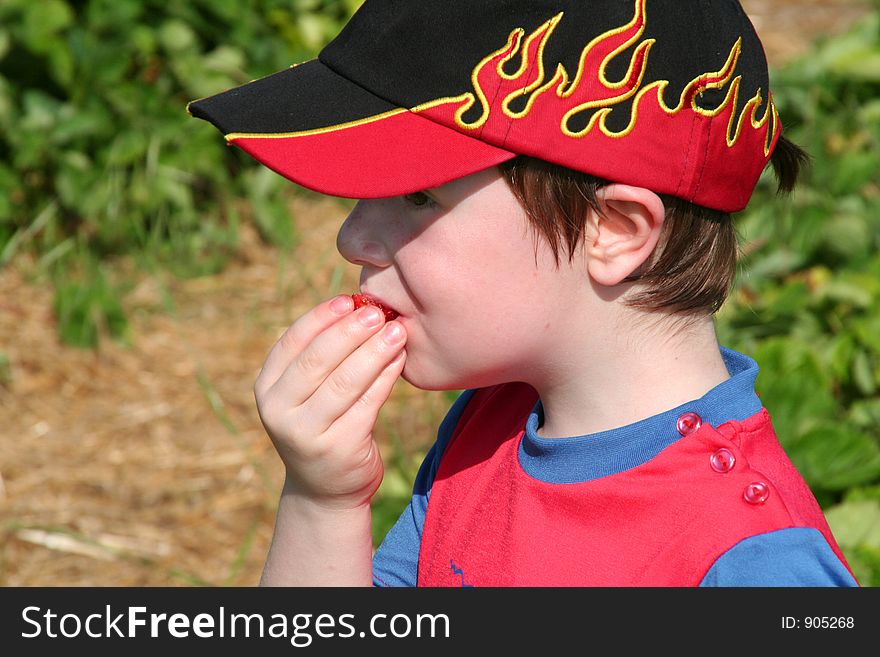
396	562
797	556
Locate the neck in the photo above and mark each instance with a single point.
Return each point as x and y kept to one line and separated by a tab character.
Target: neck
627	378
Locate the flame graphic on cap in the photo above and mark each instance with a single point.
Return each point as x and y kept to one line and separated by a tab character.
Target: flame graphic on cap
590	88
526	104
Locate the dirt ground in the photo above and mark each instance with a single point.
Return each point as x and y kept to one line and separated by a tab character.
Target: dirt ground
147	465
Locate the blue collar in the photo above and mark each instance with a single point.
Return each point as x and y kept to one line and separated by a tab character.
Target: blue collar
584	458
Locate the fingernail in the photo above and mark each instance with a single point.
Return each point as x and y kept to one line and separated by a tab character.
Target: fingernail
393	333
341	305
371	316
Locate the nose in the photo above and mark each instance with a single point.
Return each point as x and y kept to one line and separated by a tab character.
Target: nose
360	238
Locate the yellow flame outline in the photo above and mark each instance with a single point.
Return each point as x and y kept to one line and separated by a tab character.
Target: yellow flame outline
547	28
561	79
660	87
734	125
639	16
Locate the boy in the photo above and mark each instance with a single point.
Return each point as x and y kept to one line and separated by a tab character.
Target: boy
604	438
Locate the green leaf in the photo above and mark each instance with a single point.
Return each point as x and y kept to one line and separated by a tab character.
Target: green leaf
849	236
78	124
225	59
853	54
176	36
865	414
855	523
42	22
41	112
869	113
794	385
852	172
5	43
842	353
7	109
867	329
271	214
775	263
62	65
835	456
863	373
127	148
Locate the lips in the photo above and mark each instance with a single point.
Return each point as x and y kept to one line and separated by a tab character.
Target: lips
360	299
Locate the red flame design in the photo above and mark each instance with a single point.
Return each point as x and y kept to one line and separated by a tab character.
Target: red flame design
740	145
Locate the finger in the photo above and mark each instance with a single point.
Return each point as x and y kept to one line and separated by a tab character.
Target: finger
325	353
365	410
298	335
351	380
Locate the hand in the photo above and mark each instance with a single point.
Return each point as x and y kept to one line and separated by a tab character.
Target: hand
319	394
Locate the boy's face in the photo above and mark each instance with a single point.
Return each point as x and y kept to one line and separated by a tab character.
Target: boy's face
481	303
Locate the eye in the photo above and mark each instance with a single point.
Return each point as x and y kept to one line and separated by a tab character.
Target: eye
419	200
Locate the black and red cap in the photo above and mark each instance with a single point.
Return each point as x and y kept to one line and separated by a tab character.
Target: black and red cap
671	95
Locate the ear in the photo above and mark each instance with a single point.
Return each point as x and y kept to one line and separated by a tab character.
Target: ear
624	233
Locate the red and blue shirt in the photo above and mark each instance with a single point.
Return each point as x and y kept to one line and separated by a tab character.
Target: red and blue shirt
700	495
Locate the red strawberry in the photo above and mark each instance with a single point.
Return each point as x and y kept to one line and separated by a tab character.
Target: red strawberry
362	300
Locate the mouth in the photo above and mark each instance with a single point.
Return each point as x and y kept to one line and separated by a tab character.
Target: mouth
360	299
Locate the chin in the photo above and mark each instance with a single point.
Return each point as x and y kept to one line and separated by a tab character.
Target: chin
422	382
441	379
427	378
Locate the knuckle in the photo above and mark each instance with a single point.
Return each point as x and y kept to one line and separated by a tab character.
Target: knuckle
269	411
310	359
340	383
259	388
366	401
288	339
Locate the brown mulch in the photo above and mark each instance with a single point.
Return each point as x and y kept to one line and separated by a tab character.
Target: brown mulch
146	465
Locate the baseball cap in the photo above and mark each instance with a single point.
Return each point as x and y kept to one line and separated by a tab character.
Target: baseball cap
671	95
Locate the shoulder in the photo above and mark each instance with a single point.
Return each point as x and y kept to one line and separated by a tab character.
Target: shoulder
795	556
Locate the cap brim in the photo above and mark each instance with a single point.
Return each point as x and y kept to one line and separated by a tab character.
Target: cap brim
326	133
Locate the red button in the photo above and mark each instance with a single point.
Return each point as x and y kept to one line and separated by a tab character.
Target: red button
722	461
688	423
756	493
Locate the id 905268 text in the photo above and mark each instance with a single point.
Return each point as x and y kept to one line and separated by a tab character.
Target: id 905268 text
818	622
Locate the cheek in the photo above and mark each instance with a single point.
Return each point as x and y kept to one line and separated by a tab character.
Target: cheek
482	297
476	337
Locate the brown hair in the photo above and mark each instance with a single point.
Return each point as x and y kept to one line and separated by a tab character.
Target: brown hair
693	268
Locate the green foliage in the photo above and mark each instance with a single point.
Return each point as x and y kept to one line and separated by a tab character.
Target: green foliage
98	157
89	305
5	370
394	493
807	306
